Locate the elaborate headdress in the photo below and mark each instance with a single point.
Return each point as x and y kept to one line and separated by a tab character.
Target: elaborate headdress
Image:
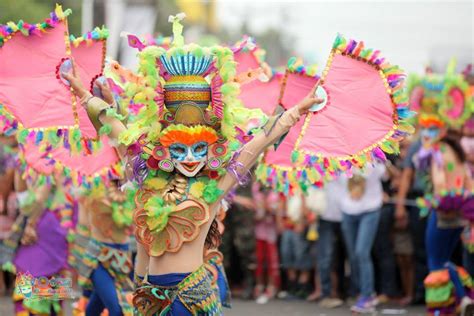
441	99
187	93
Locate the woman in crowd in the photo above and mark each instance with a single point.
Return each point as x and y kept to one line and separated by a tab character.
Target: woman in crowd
361	198
8	205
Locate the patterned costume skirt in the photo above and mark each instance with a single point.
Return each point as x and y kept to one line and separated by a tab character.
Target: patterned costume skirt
221	286
195	292
117	263
444	288
446	285
78	242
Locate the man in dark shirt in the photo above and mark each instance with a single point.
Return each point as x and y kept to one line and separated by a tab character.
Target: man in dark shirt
239	237
414	183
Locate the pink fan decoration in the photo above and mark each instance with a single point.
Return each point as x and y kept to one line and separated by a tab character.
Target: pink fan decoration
32	90
262	95
356	124
255	93
29	86
89	56
246	55
83	169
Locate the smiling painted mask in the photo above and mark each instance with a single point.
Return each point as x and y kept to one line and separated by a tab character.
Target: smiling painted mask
188	147
189	160
431	129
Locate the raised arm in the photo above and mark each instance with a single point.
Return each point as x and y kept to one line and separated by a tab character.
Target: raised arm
96	107
276	127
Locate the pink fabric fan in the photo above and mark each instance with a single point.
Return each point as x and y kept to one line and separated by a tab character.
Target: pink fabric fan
255	93
355	124
31	88
89	56
359	112
81	167
262	95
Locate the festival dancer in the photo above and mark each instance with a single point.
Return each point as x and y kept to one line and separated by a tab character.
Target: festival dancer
105	266
8	207
78	240
447	285
448	198
42	251
467	143
181	163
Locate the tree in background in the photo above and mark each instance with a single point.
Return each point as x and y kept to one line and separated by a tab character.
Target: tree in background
276	42
34	11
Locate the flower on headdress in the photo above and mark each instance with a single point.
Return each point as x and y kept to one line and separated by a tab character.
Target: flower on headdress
158	213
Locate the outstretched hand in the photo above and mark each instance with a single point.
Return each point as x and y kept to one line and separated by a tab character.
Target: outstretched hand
310	100
75	81
78	88
106	92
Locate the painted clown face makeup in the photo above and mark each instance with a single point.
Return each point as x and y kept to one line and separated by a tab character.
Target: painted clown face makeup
189	160
430	135
188	147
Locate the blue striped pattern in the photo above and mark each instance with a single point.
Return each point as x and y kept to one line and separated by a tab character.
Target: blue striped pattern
186	64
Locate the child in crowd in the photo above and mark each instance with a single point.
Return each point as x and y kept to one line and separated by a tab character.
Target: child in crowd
269	204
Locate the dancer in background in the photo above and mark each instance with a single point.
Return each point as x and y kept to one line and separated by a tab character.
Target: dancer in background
447	286
467	143
42	251
8	205
106	264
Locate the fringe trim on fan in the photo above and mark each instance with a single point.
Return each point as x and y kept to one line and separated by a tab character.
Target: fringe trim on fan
97	34
315	169
74	177
9	29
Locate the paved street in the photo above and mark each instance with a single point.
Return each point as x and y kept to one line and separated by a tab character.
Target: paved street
274	308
